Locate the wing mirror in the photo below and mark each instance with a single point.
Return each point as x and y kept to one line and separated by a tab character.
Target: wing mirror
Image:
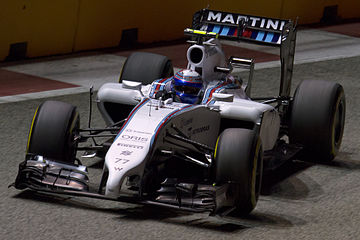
223	97
132	85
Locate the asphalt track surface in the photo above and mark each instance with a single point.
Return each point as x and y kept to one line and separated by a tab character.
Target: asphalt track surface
301	200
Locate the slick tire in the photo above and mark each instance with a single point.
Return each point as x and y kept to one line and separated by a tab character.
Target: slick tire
52	132
239	162
317	119
146	67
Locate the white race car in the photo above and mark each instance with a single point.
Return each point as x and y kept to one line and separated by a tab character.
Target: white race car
194	140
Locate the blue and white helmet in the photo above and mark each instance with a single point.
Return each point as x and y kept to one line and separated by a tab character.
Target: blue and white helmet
187	85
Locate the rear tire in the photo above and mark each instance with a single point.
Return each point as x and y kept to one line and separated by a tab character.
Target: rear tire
317	119
146	67
238	161
52	132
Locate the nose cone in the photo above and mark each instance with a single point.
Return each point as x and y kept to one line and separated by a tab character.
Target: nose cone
113	184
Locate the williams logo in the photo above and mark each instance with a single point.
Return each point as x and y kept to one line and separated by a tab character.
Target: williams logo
118	169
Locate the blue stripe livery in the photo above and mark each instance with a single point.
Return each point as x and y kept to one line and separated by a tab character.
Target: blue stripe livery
260	36
225	31
216	29
269	37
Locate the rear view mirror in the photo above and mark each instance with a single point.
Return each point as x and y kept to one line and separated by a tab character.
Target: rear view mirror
223	97
131	85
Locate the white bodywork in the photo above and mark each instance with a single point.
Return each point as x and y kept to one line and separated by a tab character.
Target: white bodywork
214	57
144	132
147	124
128	154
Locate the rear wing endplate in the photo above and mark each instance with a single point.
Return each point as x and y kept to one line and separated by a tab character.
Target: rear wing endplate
253	29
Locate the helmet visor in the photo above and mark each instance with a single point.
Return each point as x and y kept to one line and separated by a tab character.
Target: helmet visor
187	89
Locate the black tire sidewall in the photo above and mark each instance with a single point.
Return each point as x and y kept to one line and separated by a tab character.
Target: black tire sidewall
53	130
238	159
312	118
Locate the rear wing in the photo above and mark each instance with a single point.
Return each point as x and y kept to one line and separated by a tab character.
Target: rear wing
253	29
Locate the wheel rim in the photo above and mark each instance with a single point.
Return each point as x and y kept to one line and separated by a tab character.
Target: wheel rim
258	175
71	143
338	124
256	184
259	168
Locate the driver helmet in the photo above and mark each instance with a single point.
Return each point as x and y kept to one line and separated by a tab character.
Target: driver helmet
187	85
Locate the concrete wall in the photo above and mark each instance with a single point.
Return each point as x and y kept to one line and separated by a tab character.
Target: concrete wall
31	28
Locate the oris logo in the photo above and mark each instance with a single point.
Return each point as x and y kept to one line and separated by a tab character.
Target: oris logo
134	138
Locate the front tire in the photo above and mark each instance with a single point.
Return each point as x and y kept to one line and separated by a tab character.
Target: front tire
318	118
239	162
54	126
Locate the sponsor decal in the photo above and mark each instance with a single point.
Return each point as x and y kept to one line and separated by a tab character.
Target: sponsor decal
132	113
133	138
233	18
118	169
156	106
130	146
185	122
200	129
169	116
136	131
126	153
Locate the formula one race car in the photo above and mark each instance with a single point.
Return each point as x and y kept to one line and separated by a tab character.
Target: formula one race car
194	140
